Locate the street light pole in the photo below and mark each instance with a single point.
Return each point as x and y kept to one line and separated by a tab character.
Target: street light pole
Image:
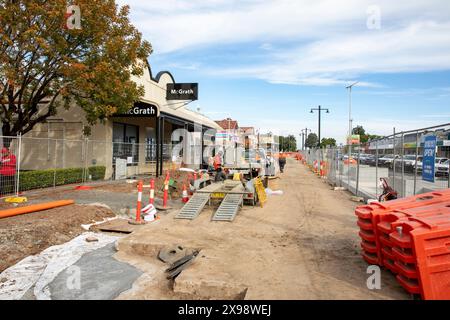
319	109
302	136
350	112
305	136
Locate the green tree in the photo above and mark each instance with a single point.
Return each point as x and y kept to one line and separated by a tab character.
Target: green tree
373	137
331	142
312	140
45	67
288	143
359	130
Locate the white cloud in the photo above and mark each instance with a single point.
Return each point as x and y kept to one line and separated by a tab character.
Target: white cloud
422	46
322	42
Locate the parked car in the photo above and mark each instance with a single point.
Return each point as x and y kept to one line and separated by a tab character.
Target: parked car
442	168
386	160
408	163
419	164
372	161
437	162
364	158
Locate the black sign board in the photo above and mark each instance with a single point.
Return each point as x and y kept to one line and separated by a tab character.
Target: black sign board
182	91
141	109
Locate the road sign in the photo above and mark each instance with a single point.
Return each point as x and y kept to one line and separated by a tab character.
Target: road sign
429	157
354	139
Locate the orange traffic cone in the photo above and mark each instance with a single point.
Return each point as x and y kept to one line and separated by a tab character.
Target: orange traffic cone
185	197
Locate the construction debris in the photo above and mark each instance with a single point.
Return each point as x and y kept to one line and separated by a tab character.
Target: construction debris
271	192
175	268
16	199
356	199
171	254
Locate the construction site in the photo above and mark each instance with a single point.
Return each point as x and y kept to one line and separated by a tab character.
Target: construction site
298	240
289	153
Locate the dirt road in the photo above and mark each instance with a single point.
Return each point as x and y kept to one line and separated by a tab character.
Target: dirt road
301	245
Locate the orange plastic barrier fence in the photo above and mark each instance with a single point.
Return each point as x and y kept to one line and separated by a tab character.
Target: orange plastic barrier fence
421	250
369	217
411	238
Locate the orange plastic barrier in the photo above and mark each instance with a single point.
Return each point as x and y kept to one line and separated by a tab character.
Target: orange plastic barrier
315	166
421	250
323	168
370	215
388	222
351	161
34	208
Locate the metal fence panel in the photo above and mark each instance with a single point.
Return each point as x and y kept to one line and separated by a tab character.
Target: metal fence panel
396	158
9	165
31	163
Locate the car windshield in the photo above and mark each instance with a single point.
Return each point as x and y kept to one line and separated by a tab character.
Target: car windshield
409	157
389	156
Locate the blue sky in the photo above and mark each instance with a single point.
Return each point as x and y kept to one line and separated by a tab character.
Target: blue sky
266	63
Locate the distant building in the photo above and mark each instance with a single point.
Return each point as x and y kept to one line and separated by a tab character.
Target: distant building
230	135
410	142
248	137
269	142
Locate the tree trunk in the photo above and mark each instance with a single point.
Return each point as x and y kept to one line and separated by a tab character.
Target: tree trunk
6	132
6	129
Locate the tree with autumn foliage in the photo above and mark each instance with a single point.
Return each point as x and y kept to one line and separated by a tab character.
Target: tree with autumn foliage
45	66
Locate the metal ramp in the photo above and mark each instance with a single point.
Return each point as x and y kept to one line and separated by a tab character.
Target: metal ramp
229	207
192	209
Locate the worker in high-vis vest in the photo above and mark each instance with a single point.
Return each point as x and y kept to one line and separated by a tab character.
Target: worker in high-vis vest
218	160
7	171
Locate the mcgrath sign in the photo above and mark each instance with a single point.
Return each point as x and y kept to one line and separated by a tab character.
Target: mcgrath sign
182	91
141	109
429	157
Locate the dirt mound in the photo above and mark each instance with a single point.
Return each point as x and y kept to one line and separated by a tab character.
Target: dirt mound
29	234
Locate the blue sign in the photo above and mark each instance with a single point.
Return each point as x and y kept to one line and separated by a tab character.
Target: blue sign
429	158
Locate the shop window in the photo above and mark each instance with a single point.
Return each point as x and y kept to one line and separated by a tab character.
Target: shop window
150	145
126	142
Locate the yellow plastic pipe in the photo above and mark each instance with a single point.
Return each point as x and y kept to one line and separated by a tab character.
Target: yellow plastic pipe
34	208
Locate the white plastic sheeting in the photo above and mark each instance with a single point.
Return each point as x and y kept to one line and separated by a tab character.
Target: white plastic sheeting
271	192
40	270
